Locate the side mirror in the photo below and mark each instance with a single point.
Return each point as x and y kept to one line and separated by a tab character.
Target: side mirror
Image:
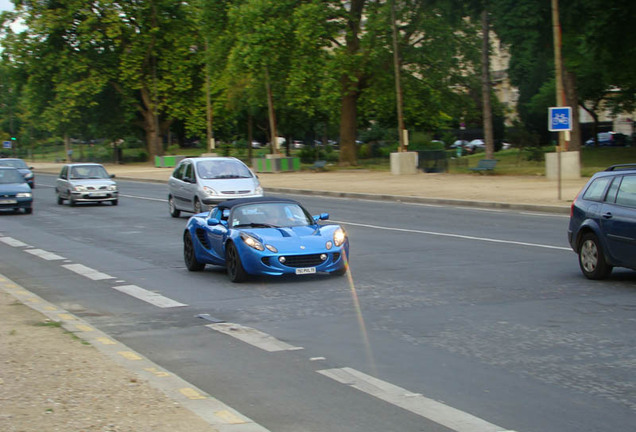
213	221
112	176
321	216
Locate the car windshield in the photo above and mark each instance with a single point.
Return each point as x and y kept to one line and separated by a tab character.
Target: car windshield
15	163
222	169
88	172
269	215
8	176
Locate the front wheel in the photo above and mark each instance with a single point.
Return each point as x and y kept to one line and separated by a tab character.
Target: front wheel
60	200
235	270
114	202
197	206
592	259
189	255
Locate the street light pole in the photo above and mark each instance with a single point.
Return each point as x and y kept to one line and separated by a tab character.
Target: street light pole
558	66
398	87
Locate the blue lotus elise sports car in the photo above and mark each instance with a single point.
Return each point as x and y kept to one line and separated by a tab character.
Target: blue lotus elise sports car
264	236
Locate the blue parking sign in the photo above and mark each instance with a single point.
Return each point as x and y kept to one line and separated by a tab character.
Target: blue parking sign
560	119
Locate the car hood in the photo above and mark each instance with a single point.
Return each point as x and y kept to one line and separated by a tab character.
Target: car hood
230	185
14	188
92	182
295	239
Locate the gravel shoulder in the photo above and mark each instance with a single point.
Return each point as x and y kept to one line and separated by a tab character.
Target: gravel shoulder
50	380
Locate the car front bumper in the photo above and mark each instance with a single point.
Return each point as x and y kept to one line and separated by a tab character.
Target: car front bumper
94	197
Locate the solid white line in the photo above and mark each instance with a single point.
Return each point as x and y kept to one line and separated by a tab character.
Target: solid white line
148	296
144	198
414	402
12	242
460	236
253	337
49	256
87	272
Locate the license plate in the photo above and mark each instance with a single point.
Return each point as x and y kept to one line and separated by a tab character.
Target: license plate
306	270
8	201
98	195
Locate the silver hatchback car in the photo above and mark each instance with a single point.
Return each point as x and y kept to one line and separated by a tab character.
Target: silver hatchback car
197	183
86	182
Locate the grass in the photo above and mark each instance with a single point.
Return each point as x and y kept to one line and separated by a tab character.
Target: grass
510	162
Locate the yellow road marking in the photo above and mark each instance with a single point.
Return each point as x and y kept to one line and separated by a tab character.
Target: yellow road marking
67	317
129	355
106	341
229	417
157	372
191	393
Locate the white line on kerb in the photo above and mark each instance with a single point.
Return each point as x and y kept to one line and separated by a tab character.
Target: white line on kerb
460	236
148	296
87	272
414	402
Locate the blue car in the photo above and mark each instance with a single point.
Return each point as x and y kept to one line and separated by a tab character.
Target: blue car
15	193
24	169
602	227
264	236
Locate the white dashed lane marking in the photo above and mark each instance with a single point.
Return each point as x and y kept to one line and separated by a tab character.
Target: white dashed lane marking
88	272
253	337
414	402
148	296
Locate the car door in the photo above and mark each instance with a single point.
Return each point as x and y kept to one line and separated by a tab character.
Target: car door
177	186
61	184
217	234
618	220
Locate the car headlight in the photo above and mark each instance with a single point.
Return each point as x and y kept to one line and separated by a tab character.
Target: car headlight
252	242
112	187
24	195
79	188
258	190
209	191
339	237
28	176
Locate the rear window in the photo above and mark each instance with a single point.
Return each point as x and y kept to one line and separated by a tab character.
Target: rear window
596	190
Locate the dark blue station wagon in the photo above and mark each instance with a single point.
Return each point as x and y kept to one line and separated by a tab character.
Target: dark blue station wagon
602	227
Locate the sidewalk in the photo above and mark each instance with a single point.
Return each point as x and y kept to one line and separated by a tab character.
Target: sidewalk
487	190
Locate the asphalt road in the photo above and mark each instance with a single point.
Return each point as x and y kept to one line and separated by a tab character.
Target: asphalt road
451	318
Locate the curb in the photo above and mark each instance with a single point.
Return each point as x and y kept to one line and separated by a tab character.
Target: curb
218	415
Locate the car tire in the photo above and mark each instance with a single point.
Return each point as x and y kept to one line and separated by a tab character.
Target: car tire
172	208
235	270
71	201
114	202
60	200
197	206
189	255
592	259
28	210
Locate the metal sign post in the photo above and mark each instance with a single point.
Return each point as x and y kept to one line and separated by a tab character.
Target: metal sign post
560	120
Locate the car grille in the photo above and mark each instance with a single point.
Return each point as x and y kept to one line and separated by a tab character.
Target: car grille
234	192
300	260
7	195
94	188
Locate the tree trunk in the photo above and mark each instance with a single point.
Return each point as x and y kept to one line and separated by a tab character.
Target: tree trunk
486	87
350	88
151	126
272	116
348	128
572	100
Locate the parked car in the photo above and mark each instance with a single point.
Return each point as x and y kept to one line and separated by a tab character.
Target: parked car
86	182
264	236
15	193
197	183
607	139
24	169
602	228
